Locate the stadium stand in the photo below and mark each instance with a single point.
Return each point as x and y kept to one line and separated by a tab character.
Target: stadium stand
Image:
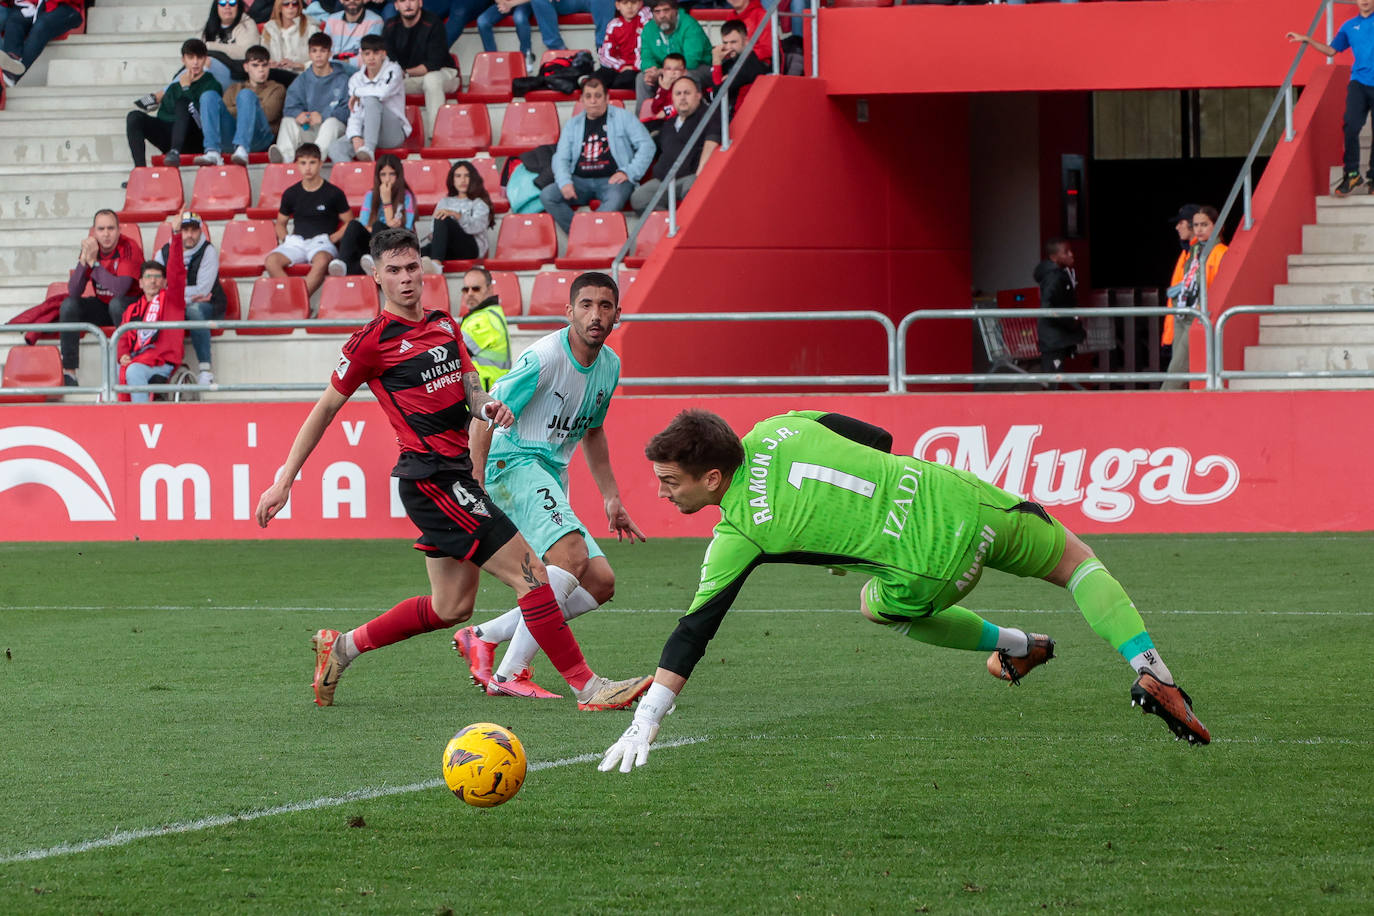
277	299
550	296
653	230
276	178
459	132
31	367
525	242
354	179
594	240
246	246
527	125
221	191
152	193
427	181
347	297
491	77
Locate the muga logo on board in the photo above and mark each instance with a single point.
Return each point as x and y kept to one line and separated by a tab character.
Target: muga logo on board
37	455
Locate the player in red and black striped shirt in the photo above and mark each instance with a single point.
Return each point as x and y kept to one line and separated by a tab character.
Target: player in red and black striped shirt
414	361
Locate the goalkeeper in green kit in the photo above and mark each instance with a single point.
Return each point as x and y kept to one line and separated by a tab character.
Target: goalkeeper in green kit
822	489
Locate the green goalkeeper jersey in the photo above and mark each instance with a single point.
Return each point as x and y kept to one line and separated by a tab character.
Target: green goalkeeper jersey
806	494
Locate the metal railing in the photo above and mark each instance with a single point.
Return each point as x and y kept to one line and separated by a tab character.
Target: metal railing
994	314
720	104
1223	374
106	345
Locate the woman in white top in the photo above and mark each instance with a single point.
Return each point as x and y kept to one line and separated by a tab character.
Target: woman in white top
463	218
228	34
287	35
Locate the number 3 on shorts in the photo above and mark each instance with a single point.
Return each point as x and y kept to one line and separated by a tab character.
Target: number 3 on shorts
549	501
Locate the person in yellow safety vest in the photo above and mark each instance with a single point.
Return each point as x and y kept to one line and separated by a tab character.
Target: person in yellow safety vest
1186	291
484	327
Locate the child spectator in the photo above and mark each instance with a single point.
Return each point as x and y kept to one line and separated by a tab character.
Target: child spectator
671	32
321	214
28	28
228	35
619	54
109	262
205	298
414	40
462	219
347	27
725	58
250	112
659	106
316	108
388	204
173	129
1356	34
377	106
151	353
287	36
519	12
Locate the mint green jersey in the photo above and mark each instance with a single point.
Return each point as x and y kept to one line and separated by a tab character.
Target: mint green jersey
555	400
806	494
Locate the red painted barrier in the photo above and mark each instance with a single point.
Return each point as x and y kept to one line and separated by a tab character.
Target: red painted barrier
1108	462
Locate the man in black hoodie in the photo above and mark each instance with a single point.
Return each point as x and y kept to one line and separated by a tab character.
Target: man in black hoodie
1058	290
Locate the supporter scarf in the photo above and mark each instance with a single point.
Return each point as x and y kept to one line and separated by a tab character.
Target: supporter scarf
151	313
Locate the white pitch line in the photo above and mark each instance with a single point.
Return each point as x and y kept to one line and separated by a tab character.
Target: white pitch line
125	837
678	611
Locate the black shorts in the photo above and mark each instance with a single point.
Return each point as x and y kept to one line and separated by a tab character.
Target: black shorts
455	516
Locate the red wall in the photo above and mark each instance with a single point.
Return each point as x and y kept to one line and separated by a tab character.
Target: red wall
1181	44
810	209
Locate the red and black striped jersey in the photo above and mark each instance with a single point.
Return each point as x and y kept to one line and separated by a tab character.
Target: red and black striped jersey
416	371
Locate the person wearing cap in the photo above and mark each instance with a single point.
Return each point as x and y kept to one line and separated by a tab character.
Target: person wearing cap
205	297
1183	225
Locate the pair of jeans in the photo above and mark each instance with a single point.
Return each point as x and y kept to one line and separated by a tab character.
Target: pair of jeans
585	190
486	24
249	128
143	374
456	14
1359	102
26	38
203	311
546	12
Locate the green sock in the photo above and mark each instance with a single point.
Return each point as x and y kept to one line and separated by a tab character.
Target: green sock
954	628
1108	609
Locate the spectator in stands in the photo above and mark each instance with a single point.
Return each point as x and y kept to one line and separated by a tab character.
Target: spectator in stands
316	108
462	219
672	139
248	113
486	334
287	37
1058	290
321	214
753	15
1190	293
602	153
149	354
1183	225
415	40
619	54
671	31
377	106
174	129
228	34
454	15
28	28
519	12
546	13
660	105
1357	35
205	299
725	58
389	204
109	262
347	27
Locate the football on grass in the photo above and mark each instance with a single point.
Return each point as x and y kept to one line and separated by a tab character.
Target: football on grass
484	765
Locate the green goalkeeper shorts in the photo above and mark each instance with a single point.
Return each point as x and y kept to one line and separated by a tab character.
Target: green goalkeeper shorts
1013	535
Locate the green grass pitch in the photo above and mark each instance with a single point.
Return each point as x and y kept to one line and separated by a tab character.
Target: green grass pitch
835	766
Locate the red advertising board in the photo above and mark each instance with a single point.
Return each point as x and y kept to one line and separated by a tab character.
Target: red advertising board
1103	462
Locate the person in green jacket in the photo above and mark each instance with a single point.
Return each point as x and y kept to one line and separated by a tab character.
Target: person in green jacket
176	127
671	30
484	327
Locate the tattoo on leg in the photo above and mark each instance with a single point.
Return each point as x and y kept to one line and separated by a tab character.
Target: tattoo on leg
530	578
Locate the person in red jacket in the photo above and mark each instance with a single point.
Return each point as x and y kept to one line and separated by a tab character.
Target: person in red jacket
619	55
28	28
154	352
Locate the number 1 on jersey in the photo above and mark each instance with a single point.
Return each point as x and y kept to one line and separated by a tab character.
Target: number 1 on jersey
801	470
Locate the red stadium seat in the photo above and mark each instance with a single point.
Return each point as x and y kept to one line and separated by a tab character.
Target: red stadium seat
57	287
434	295
626	279
492	73
277	299
428	181
221	191
152	194
593	240
491	180
31	367
527	125
276	178
525	241
346	297
550	293
549	95
459	132
247	243
457	267
507	287
653	231
233	309
866	4
416	141
164	235
354	179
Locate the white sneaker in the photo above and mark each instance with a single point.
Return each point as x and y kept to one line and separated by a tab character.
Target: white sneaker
362	154
11	64
274	154
205	377
211	158
368	263
531	64
240	156
337	268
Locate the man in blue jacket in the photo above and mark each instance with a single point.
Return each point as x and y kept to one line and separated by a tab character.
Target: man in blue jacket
602	154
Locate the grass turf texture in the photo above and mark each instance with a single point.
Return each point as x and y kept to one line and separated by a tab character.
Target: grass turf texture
842	768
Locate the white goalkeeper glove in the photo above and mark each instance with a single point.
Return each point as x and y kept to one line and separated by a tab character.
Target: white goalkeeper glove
632	750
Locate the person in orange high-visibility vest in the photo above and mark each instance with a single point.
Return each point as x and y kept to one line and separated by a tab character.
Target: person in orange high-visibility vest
1189	291
1183	225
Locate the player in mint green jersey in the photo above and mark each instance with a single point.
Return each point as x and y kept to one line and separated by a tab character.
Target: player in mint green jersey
559	392
817	488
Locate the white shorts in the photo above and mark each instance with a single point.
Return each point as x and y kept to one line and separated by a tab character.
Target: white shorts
303	251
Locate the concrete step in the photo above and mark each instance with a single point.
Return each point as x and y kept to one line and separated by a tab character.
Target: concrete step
1338	239
1327	269
1316	335
1332	316
169	19
36	195
1358	208
1310	384
25	102
1323	294
1306	356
